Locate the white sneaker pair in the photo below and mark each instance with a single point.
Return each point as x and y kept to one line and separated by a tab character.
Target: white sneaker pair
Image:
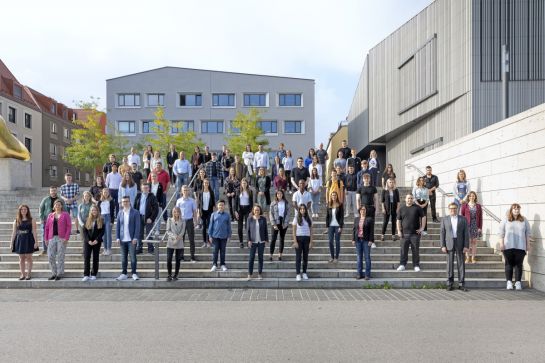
214	268
124	277
298	277
402	268
518	285
373	245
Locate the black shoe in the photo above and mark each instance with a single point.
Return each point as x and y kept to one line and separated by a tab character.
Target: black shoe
270	258
175	278
77	231
242	245
169	278
151	252
435	220
279	258
53	277
28	278
462	288
139	252
57	278
450	288
359	277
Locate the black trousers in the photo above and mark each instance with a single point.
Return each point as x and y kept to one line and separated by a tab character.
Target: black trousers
205	216
413	241
425	209
432	206
302	253
513	261
190	232
231	201
89	250
370	211
243	213
282	232
460	264
390	215
179	252
260	248
289	187
145	229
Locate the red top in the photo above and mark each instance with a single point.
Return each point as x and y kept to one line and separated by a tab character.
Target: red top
163	178
466	213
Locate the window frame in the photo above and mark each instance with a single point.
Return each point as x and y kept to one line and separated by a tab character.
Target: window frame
159	96
301	127
196	94
25	143
28	124
229	95
129	122
270	121
10	109
207	122
119	95
250	94
300	94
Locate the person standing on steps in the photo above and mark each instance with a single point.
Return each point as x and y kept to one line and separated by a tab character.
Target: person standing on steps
127	232
24	240
231	190
133	158
263	188
156	189
454	241
248	157
353	161
410	224
334	222
147	205
219	233
188	207
514	233
473	213
107	168
84	208
258	236
374	168
367	196
172	156
113	180
106	207
315	190
301	196
340	161
183	172
299	173
323	157
127	188
432	183
302	240
136	177
214	174
70	193
46	208
175	242
57	233
420	194
279	217
97	187
244	203
288	163
164	179
351	192
344	149
388	174
261	159
363	235
461	189
206	202
93	232
334	185
390	207
364	170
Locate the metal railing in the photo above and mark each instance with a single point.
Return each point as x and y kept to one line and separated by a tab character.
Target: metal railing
157	223
448	194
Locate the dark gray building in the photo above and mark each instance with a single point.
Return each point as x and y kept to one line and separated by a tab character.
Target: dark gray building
439	76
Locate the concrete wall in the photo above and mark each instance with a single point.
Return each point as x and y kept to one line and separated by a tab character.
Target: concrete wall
335	142
171	81
504	164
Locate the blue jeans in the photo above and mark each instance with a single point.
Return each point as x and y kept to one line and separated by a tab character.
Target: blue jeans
260	247
220	246
334	233
215	186
362	247
126	248
181	179
315	202
107	232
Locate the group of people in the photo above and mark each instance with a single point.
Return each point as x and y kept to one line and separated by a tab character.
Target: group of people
256	186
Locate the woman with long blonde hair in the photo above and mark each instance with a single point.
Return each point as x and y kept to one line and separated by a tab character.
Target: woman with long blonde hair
93	232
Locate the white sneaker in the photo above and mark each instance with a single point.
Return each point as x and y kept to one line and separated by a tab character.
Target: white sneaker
135	277
93	278
401	268
213	269
346	215
424	233
317	216
85	279
223	268
518	285
509	285
373	245
417	269
298	278
305	277
122	277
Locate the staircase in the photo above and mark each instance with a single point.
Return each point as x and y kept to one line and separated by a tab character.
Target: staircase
487	273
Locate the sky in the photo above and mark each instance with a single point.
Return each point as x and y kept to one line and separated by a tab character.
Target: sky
67	49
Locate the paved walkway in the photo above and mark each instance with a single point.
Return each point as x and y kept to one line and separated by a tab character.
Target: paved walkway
252	326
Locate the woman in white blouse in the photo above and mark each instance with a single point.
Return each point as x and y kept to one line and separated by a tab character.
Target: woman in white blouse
248	157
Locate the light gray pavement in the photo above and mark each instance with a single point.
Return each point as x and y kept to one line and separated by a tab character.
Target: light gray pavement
271	325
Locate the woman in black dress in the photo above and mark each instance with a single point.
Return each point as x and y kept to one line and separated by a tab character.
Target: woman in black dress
23	240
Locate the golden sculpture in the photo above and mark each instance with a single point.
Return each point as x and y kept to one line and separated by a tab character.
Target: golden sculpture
10	147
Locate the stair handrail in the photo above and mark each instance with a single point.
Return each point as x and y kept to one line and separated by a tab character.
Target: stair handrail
450	194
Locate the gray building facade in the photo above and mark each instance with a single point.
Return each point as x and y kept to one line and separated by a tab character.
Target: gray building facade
207	101
438	77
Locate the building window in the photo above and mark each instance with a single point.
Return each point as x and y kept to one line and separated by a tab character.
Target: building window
156	99
212	127
182	126
268	127
53	128
87	177
255	99
53	108
28	144
223	100
66	133
78	175
190	100
12	115
53	171
128	100
17	91
53	150
146	127
234	130
126	127
293	127
28	121
289	99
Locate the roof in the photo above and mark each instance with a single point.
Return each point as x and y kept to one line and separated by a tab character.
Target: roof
207	70
7	83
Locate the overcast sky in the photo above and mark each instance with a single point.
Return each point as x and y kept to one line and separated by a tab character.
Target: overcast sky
67	49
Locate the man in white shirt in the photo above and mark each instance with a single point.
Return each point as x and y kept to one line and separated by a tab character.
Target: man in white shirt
301	196
261	159
454	237
133	158
128	231
188	207
183	171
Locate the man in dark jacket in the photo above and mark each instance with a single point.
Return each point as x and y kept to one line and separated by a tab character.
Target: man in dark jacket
146	203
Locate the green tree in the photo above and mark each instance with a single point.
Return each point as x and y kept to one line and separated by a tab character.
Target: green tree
164	132
247	132
90	146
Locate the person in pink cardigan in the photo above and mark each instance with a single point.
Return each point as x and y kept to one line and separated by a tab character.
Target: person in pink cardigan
473	213
56	235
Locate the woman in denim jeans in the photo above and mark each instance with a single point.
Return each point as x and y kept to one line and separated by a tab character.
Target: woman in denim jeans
334	222
363	236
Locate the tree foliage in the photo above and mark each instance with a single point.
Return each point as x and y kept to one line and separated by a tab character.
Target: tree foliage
164	132
247	132
89	146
